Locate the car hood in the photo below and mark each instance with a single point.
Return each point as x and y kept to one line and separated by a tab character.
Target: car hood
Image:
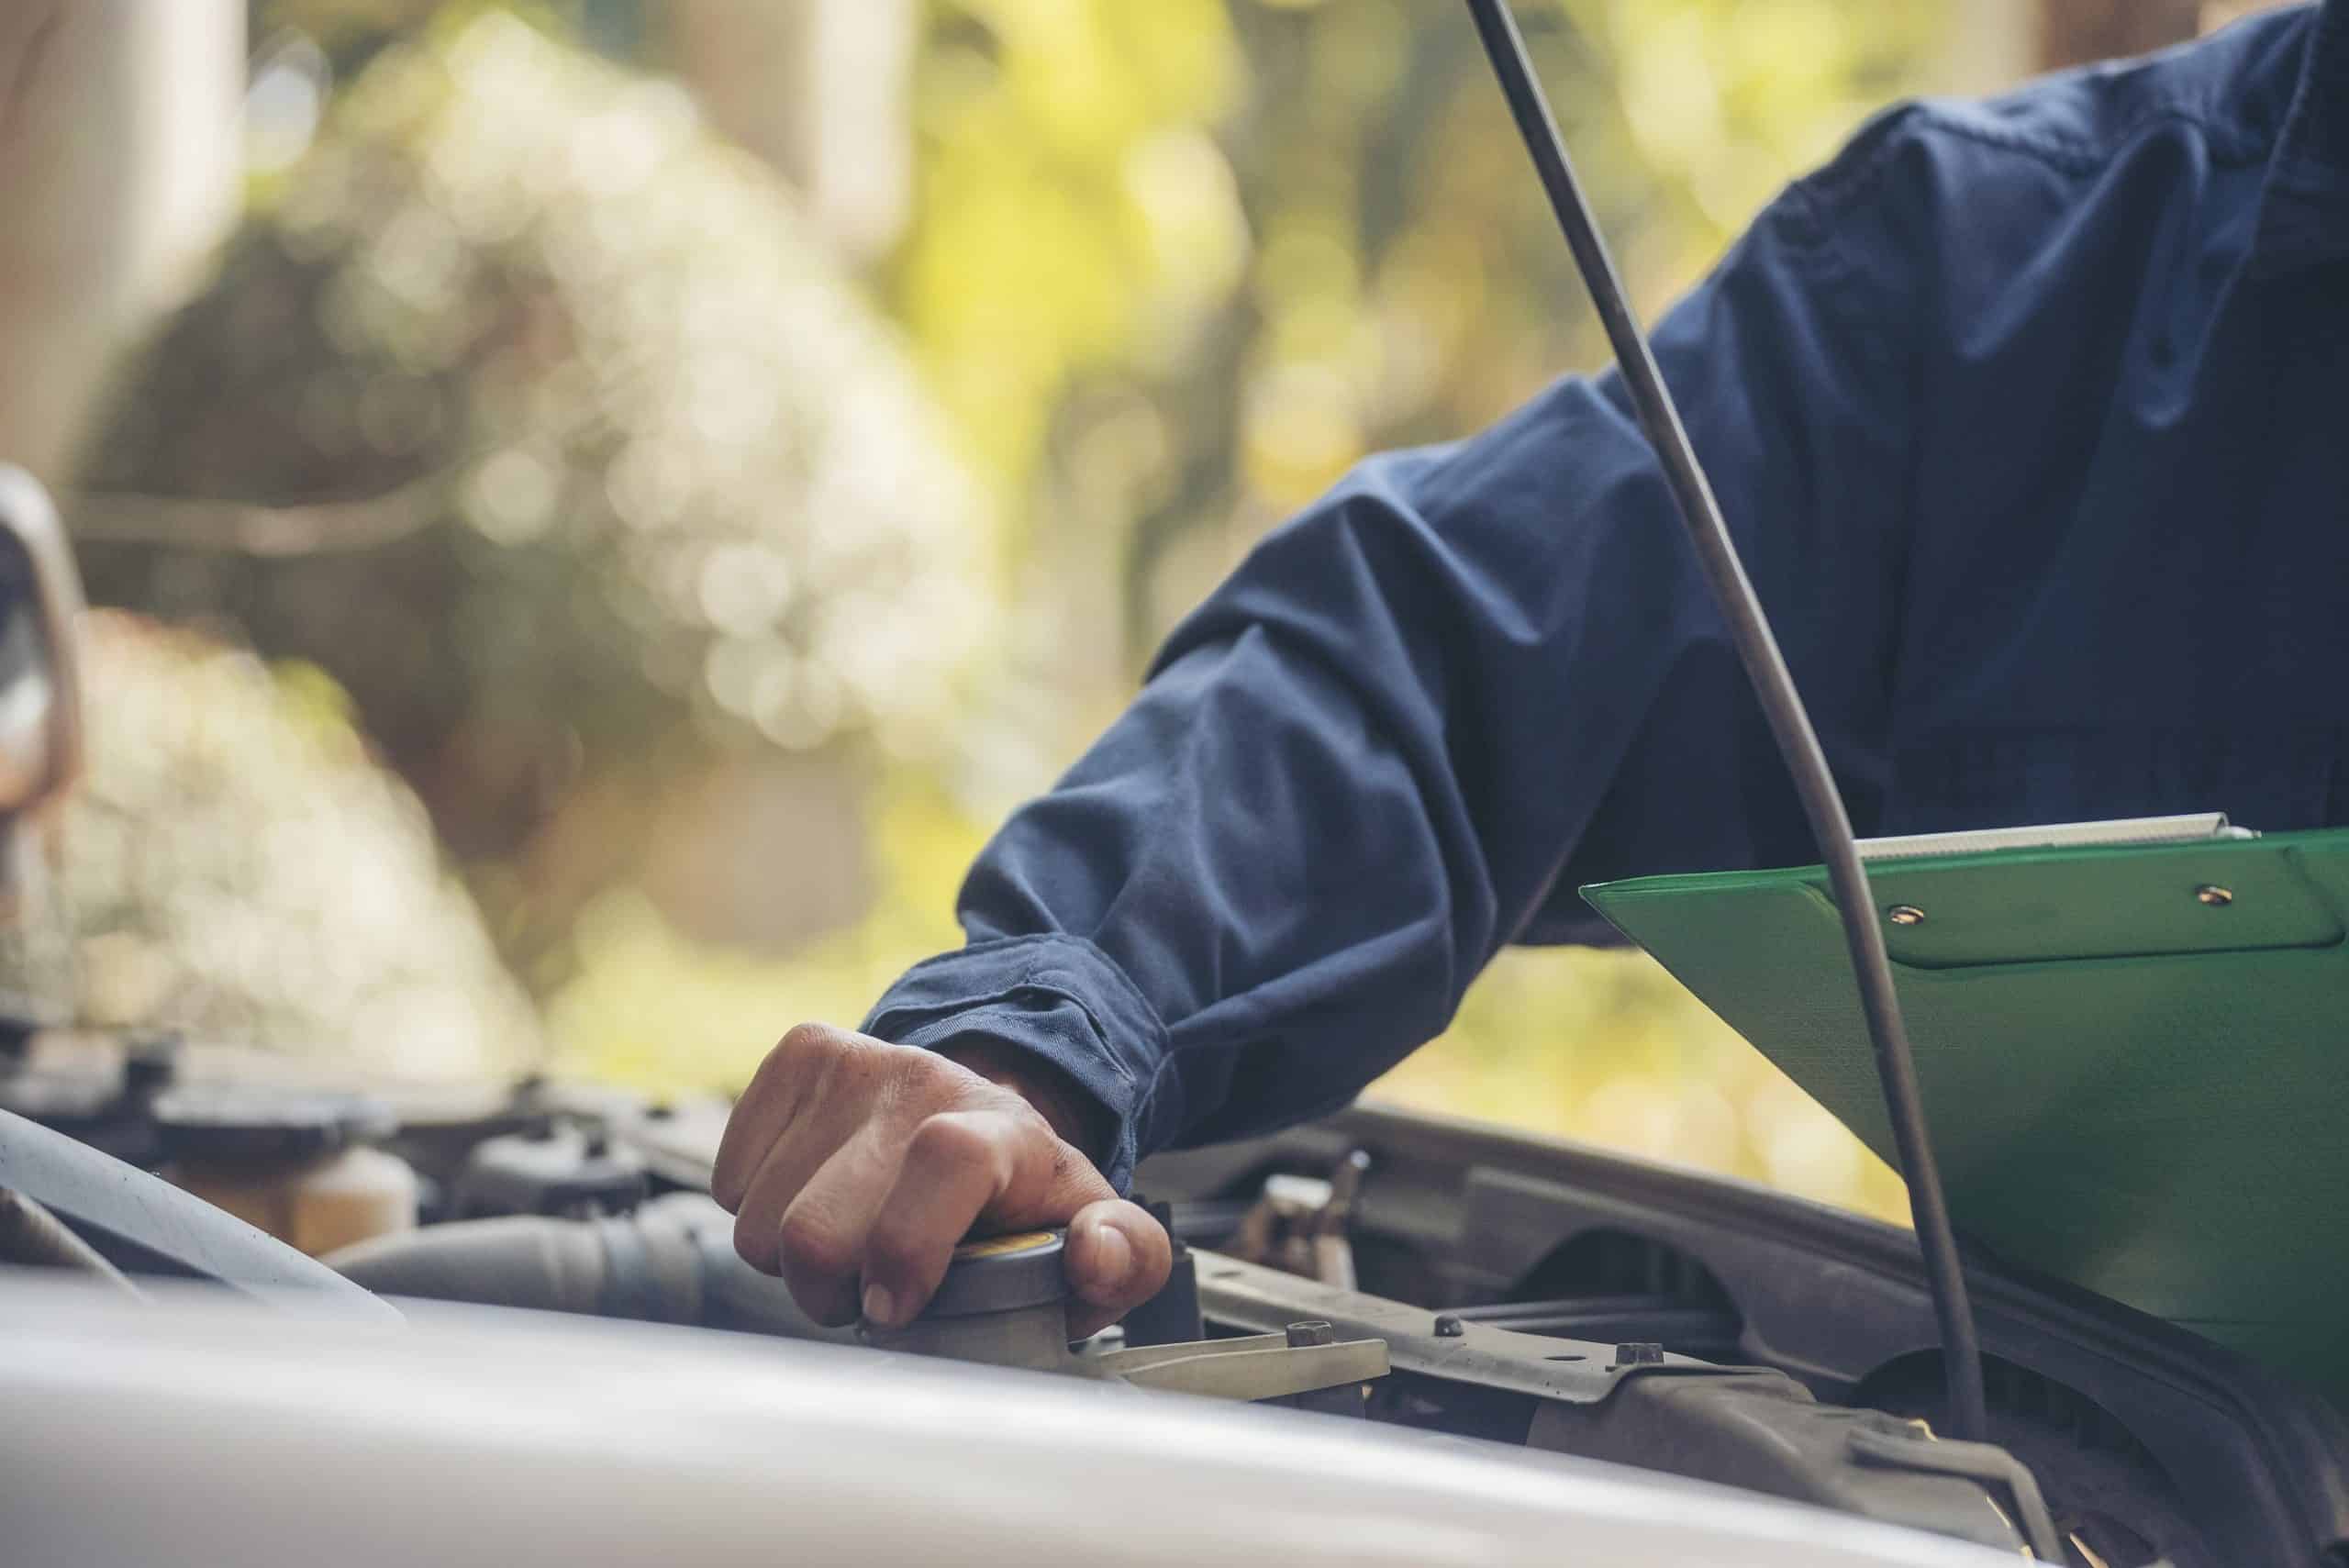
139	1432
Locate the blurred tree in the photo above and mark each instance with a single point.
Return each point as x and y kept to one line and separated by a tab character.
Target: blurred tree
1177	266
117	152
1174	267
817	89
234	863
522	401
525	408
2073	32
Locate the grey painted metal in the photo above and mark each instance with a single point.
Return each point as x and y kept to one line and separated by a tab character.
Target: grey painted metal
1257	1366
31	1237
142	1436
143	1224
1759	1432
1749	1426
1247	1296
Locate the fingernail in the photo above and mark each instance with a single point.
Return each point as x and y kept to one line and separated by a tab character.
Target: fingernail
1113	1254
878	1306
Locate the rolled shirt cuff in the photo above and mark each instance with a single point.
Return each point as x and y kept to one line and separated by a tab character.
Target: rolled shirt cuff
1056	997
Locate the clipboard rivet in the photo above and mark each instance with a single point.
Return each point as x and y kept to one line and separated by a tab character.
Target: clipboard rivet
1905	915
2217	897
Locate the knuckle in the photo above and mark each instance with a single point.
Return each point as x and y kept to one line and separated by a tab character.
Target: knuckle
1019	1109
950	1142
801	1042
913	1079
810	1246
918	1073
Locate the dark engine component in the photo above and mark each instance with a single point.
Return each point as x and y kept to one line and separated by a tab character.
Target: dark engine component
1519	1290
561	1170
670	1261
101	1089
1611	1285
1635	1403
220	1126
2110	1495
2138	1431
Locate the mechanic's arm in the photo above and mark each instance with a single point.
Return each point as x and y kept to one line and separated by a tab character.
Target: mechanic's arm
1353	774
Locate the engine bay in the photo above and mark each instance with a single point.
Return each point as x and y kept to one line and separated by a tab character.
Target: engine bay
1377	1265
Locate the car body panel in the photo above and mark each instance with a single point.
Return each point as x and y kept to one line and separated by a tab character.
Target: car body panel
186	1427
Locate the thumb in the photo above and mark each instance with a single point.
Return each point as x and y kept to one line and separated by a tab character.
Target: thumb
1117	1257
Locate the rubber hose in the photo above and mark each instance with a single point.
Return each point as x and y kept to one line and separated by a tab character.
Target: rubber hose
528	1260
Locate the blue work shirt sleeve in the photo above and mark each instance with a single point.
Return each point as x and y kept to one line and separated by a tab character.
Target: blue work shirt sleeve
1421	713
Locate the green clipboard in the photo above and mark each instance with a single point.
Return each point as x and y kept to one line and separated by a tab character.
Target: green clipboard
2132	1055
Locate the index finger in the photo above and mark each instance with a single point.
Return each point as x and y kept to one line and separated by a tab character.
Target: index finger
773	1096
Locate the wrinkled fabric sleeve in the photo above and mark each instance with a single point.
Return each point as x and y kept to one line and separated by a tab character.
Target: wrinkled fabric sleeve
1417	714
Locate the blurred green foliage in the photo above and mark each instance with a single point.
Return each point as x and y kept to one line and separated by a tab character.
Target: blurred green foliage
536	418
1175	266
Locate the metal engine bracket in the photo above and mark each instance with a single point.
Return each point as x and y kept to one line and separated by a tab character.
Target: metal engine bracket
1749	1427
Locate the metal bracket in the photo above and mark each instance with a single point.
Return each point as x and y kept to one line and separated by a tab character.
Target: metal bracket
1256	1366
1912	1446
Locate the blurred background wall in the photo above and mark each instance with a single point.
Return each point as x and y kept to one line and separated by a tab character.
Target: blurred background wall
607	500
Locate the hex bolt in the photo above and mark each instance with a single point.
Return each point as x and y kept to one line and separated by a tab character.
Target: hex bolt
1447	1327
1312	1331
1638	1352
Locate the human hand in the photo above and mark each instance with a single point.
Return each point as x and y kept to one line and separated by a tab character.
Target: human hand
853	1167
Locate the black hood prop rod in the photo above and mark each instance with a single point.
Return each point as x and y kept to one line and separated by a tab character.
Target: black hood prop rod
1733	592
